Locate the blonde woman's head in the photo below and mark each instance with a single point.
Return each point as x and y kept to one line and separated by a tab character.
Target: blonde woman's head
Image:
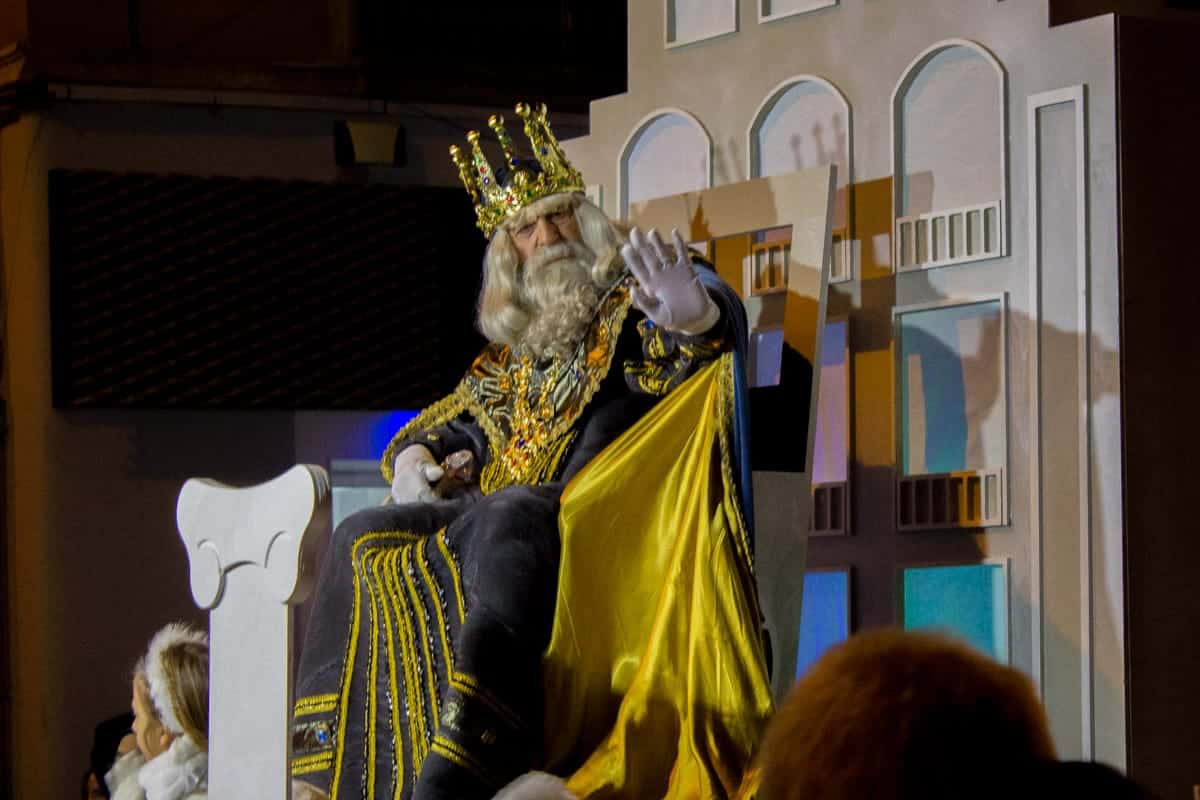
170	690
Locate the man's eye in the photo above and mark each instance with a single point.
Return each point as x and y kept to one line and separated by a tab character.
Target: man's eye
525	231
561	217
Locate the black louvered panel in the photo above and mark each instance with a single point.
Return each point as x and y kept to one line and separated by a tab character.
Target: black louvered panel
180	292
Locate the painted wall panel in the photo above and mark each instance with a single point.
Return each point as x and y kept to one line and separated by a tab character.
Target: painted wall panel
830	457
1059	334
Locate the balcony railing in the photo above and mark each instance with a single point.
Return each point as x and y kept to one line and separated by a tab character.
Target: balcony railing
968	499
953	236
831	509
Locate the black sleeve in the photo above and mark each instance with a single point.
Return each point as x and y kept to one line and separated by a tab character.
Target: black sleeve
462	433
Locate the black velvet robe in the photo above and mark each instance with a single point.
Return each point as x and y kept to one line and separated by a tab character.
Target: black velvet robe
420	672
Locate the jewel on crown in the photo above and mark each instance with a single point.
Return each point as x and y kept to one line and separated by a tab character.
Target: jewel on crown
495	203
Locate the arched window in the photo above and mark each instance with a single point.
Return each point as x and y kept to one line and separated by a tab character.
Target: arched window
949	195
669	152
805	122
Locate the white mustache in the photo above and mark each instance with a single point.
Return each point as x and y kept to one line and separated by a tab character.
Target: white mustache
552	253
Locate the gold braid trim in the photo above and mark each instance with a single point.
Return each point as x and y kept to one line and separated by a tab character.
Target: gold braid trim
379	574
667	364
725	425
430	702
544	467
452	751
495	435
436	598
456	579
356	553
313	764
467	685
302	760
314	704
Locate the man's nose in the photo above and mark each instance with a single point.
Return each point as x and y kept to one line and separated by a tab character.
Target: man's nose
547	232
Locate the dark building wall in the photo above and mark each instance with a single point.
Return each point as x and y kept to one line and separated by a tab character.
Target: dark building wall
1064	11
5	632
94	561
1159	113
563	52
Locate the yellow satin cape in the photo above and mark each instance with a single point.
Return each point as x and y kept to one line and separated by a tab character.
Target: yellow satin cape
655	679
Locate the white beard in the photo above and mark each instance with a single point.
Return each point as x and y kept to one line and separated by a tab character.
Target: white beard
557	287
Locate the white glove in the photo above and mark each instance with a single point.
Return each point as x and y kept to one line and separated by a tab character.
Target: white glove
413	476
668	290
535	786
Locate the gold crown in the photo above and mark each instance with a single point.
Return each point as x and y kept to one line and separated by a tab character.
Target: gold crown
495	203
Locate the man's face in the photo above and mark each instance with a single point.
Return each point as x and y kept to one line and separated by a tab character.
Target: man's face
544	231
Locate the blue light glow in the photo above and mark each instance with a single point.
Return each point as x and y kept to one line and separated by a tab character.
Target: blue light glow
385	427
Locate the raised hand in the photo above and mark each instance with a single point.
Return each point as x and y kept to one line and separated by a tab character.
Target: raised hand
668	290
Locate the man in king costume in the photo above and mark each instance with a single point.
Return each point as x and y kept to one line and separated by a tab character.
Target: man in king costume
584	603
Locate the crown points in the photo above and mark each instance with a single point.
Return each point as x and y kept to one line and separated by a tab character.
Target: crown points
526	184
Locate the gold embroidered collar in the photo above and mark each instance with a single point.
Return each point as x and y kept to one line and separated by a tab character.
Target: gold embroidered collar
528	410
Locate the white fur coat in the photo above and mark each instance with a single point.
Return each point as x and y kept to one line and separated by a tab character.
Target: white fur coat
181	773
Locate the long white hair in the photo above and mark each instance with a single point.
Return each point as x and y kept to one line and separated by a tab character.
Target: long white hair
510	313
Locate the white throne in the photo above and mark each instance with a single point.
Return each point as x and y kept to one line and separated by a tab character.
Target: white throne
250	555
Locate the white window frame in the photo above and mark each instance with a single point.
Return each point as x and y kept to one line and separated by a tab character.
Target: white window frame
669	26
809	7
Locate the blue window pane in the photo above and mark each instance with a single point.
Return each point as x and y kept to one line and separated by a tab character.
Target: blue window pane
970	602
824	615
